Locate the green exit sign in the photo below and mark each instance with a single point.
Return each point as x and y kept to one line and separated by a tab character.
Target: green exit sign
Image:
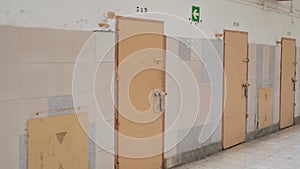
196	14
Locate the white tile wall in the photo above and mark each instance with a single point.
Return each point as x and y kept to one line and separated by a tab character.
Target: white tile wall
252	62
10	118
9	149
266	62
276	89
8	44
32	45
60	79
105	47
33	81
9	75
104	138
171	139
88	49
104	160
84	78
31	108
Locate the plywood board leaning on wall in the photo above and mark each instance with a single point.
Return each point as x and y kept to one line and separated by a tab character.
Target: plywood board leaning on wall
59	142
265	105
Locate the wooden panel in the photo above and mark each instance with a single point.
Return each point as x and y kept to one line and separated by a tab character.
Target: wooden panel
141	63
287	88
265	107
58	142
235	77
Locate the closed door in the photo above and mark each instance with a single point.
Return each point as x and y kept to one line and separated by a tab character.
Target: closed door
235	87
287	91
140	93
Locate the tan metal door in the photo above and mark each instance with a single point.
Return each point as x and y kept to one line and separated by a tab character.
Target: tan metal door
140	93
235	87
287	88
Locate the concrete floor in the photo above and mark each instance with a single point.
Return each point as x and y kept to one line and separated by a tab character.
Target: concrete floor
280	150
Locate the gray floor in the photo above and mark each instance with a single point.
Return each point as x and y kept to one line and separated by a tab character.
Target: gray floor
277	151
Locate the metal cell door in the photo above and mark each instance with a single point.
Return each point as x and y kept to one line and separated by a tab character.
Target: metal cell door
140	93
287	87
235	87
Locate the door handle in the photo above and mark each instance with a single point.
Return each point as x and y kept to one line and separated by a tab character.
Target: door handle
159	101
162	101
246	91
245	86
294	82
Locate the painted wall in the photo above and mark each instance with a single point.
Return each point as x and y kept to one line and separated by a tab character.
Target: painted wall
263	27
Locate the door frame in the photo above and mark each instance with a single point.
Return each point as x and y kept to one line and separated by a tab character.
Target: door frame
224	85
280	88
116	85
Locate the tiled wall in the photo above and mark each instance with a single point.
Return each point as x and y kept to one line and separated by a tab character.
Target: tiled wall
37	68
263	71
36	72
203	58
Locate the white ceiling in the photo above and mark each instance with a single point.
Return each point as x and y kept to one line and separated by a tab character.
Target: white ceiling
296	4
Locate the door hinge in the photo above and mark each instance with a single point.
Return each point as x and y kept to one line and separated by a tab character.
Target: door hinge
246	60
117	123
117	77
117	164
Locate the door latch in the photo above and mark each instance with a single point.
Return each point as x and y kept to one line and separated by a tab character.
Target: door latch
245	87
159	101
294	82
158	60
